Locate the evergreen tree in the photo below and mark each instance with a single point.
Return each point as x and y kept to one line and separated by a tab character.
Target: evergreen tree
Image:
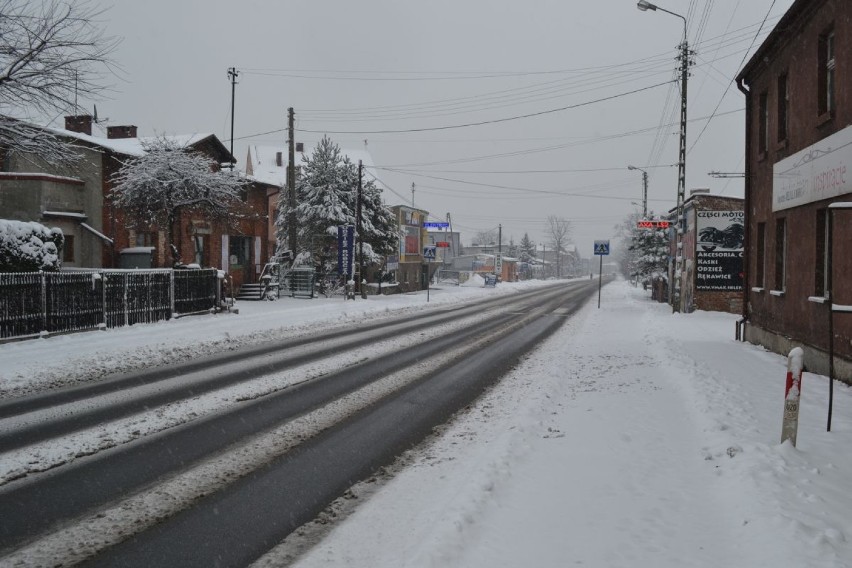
326	195
527	249
651	253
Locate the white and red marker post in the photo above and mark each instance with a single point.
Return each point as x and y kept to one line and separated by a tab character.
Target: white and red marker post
792	392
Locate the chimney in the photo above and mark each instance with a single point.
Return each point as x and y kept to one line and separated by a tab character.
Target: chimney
279	159
300	146
114	132
80	123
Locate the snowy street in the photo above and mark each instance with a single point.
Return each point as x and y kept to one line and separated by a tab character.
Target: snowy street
631	437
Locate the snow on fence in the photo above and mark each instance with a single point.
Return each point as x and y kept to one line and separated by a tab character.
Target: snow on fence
47	302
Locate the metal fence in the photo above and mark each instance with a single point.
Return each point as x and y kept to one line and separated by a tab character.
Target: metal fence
49	302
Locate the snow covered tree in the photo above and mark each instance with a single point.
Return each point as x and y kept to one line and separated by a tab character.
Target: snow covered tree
651	253
51	53
527	249
29	247
168	180
326	194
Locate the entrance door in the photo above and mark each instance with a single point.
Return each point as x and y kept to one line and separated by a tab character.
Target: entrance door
239	257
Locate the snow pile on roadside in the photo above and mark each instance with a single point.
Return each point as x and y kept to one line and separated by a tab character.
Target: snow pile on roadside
633	437
51	362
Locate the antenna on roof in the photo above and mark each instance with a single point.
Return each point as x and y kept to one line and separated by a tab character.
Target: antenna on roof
95	116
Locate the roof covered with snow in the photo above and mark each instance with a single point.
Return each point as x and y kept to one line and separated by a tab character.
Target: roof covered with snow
131	146
262	162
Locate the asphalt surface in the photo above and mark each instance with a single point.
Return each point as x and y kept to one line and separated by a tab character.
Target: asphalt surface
244	519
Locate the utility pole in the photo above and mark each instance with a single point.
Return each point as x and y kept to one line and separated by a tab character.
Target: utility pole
452	241
685	63
361	286
499	262
644	195
232	75
681	175
412	195
291	183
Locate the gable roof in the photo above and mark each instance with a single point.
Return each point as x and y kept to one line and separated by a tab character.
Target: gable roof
262	162
134	146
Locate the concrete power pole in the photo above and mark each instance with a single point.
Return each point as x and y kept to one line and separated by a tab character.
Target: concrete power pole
291	184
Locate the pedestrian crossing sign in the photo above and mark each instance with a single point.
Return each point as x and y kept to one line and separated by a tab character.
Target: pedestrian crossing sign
601	248
429	253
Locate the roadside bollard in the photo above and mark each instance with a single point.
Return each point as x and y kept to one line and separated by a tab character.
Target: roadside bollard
791	395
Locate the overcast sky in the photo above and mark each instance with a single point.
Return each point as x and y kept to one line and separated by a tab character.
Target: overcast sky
402	75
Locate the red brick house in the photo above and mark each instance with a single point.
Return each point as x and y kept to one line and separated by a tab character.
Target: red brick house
78	202
798	151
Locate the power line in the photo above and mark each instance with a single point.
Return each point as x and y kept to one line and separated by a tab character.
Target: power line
495	121
713	114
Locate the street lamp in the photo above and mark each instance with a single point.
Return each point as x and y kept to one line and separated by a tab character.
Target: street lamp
644	190
681	174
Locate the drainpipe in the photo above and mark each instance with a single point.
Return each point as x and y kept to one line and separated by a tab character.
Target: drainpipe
746	206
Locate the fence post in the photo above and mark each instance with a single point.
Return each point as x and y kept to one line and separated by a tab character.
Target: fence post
792	392
172	294
43	301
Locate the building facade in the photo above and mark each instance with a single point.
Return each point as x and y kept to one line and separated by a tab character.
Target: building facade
798	148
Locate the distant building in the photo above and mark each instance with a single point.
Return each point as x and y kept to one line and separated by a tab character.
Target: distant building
413	270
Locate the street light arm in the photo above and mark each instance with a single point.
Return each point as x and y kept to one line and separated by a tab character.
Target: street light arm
643	5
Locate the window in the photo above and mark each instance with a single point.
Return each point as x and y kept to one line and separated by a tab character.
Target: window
198	241
825	77
821	257
239	252
760	269
68	249
144	239
763	122
783	99
780	254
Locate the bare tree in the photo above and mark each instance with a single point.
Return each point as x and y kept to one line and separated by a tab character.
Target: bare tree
485	238
558	232
168	180
51	53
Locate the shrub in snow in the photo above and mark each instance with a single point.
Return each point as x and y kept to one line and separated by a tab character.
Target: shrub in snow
29	247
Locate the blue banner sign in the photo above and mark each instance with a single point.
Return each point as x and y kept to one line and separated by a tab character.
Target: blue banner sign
436	225
345	244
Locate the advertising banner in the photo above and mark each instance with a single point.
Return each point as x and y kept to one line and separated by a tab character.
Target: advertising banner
345	244
815	173
719	251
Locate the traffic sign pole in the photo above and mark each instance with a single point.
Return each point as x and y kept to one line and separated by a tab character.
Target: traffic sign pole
600	281
601	250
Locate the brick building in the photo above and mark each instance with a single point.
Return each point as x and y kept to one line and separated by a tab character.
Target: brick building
33	188
713	253
798	147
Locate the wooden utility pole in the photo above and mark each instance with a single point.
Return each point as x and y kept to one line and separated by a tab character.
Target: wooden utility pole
291	184
361	286
232	75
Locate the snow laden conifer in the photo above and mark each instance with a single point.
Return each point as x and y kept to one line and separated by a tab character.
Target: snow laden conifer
526	249
326	196
649	250
169	180
29	247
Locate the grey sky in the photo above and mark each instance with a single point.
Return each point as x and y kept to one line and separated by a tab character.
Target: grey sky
463	57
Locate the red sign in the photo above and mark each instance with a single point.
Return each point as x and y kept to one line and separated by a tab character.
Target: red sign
650	224
442	244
